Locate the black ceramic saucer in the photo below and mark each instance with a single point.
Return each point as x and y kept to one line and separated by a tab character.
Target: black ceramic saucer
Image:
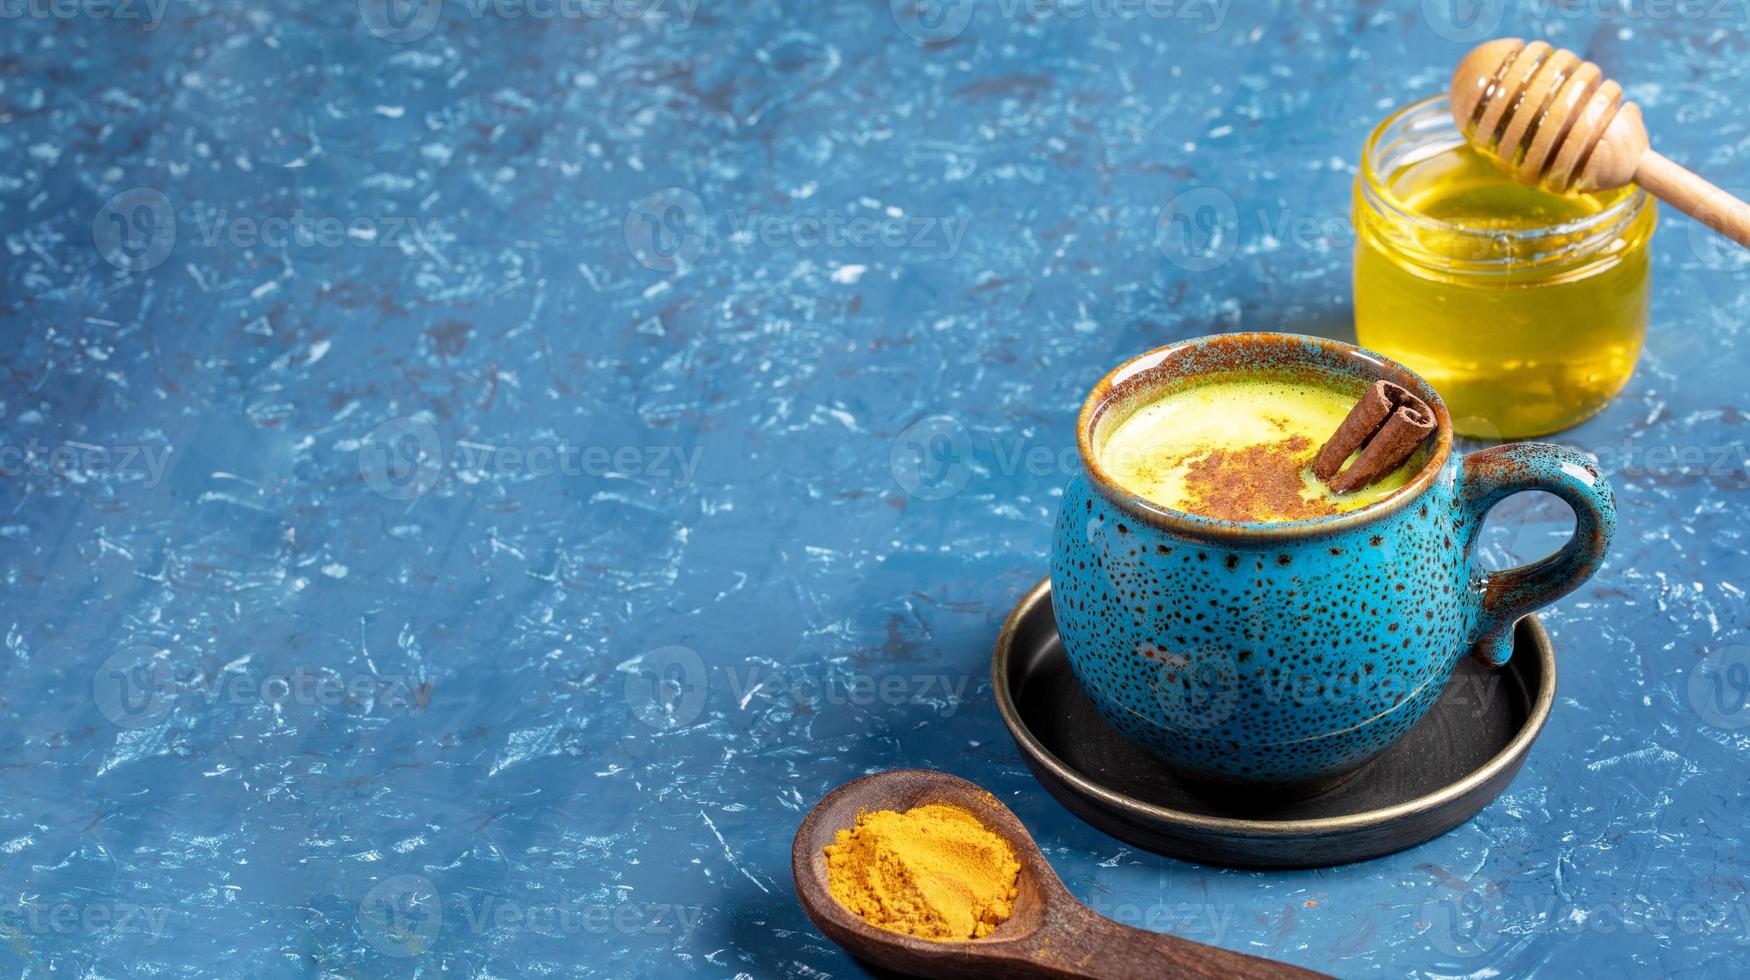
1458	758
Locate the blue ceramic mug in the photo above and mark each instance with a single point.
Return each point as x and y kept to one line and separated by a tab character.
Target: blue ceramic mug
1285	655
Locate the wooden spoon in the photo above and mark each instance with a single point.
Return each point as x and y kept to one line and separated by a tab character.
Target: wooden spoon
1550	119
1050	934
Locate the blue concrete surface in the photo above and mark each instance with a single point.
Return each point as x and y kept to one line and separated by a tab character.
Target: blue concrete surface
474	478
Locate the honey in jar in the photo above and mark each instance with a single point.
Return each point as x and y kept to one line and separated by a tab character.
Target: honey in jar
1525	309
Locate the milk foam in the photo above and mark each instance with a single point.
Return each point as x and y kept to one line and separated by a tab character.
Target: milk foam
1251	437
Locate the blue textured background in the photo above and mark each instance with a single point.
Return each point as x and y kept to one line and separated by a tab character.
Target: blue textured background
443	462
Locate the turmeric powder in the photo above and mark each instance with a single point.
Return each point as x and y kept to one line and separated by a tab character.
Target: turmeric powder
934	872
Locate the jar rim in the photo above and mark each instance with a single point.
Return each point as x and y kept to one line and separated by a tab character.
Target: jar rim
1578	236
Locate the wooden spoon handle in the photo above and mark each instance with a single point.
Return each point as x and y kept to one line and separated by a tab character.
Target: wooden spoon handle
1081	943
1694	196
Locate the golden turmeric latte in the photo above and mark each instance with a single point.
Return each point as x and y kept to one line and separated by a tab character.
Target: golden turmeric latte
934	872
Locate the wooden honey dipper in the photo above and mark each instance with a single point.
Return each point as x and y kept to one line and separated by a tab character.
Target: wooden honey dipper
1550	119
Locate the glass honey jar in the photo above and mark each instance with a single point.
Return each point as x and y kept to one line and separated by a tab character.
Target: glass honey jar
1525	309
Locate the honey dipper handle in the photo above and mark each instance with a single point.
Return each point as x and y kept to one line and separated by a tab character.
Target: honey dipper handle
1694	196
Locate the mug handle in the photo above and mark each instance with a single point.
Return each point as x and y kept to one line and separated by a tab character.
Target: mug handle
1489	476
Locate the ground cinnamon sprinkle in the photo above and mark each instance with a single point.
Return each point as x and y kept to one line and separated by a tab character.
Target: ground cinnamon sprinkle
1257	483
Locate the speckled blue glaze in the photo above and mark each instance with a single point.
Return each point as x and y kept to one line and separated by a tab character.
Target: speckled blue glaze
1282	656
247	836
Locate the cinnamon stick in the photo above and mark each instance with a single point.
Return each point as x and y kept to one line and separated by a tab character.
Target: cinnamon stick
1385	427
1361	423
